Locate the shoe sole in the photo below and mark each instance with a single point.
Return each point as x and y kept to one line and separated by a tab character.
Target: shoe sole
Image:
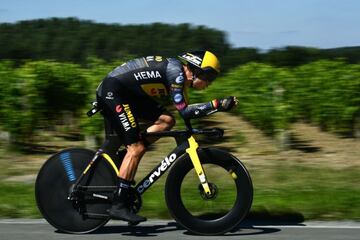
126	220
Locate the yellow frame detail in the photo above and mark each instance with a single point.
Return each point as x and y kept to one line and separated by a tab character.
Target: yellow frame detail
108	158
88	167
193	146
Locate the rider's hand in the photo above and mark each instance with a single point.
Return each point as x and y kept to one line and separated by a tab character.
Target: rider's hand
227	103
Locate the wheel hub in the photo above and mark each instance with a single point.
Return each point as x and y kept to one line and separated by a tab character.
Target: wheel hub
213	190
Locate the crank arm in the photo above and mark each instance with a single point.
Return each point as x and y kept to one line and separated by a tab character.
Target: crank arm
95	195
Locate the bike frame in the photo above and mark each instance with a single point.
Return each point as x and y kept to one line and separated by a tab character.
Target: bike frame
190	146
186	144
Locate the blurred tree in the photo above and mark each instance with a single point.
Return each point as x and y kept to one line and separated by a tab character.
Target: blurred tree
292	56
70	39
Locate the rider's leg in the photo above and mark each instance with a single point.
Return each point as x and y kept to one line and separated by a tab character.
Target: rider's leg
136	150
131	161
123	111
128	169
120	209
164	123
120	112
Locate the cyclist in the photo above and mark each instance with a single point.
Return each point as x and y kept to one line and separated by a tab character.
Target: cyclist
138	89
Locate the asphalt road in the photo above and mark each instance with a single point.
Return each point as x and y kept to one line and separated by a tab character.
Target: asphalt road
20	229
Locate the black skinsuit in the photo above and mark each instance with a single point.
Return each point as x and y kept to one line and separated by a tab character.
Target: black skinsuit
139	89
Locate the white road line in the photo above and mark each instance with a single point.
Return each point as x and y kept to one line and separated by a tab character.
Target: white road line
325	225
310	226
13	221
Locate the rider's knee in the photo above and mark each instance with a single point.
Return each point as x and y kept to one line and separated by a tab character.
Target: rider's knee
168	121
136	149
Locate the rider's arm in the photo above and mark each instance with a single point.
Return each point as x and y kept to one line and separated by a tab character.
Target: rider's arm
198	110
176	78
204	109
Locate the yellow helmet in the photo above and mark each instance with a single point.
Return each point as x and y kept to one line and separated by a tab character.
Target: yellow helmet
204	64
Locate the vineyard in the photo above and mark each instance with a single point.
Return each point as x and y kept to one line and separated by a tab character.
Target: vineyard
325	93
43	105
38	95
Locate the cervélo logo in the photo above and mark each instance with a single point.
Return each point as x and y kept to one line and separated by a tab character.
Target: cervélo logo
165	164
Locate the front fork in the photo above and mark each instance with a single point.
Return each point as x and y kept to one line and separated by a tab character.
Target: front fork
192	151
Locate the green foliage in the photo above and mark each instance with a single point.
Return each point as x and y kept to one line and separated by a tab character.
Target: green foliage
74	40
70	39
237	56
41	94
17	200
325	92
292	56
18	101
328	94
314	192
36	94
6	68
260	89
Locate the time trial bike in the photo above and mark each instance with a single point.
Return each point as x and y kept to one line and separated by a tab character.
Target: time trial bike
208	191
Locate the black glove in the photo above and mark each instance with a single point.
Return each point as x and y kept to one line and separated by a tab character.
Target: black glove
228	103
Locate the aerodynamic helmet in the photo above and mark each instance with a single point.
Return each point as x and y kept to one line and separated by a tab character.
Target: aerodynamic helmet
204	64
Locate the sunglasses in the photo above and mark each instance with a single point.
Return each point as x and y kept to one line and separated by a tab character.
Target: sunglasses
206	76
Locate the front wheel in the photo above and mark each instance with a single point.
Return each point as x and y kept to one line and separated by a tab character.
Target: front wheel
228	180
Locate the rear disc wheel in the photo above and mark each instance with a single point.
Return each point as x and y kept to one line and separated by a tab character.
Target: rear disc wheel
55	181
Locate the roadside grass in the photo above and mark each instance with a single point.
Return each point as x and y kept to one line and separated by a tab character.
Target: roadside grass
289	191
310	193
17	201
323	185
315	193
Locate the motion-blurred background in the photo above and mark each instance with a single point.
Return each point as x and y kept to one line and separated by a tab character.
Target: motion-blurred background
294	66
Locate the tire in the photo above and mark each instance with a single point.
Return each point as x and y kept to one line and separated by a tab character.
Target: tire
54	182
204	216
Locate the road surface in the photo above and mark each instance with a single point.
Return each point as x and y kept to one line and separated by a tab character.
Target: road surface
21	229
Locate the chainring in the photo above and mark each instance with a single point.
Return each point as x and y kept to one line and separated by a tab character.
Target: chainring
134	200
